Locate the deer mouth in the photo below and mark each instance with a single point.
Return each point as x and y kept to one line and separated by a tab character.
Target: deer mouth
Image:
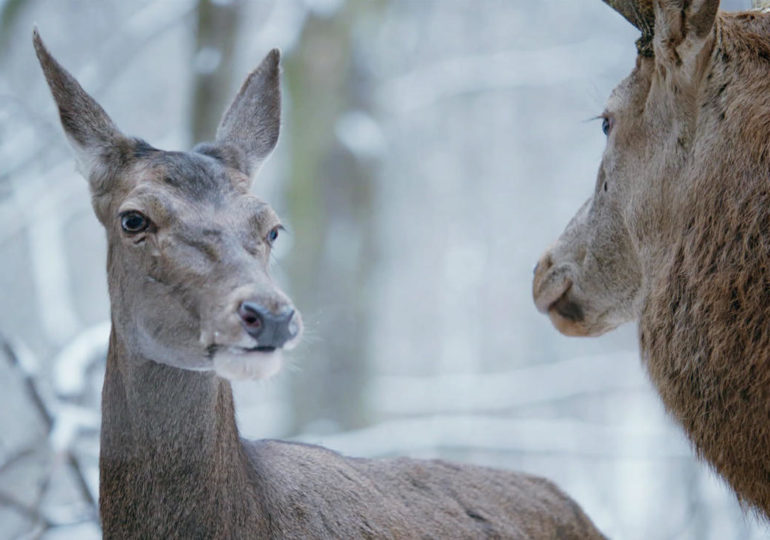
217	348
266	349
244	363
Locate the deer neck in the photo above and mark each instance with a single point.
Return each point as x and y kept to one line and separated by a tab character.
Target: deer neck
170	450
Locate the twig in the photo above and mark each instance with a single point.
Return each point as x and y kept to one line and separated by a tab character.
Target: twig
37	400
33	514
18	456
29	383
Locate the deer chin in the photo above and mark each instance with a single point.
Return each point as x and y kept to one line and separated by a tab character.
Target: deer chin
238	363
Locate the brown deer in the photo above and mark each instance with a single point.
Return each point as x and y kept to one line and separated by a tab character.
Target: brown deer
677	232
193	306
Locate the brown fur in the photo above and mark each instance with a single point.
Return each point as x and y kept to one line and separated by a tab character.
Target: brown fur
688	166
172	464
705	328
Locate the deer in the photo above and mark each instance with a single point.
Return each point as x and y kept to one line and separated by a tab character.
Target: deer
676	234
193	308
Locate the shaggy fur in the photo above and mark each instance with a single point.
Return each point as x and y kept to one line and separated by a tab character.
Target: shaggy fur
172	464
705	328
685	183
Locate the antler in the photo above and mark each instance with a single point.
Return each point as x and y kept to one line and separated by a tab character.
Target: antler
641	14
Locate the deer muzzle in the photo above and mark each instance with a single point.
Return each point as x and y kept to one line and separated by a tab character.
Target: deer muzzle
552	291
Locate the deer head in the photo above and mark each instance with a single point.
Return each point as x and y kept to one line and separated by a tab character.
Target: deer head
656	121
188	245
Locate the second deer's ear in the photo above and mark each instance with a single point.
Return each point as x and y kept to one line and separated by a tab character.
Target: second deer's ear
253	120
88	128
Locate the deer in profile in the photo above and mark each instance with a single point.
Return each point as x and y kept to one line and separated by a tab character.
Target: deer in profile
677	231
193	307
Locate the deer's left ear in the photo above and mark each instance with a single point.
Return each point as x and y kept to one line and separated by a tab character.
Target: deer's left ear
253	120
89	130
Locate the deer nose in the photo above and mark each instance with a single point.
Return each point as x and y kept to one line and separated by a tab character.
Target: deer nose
271	330
545	262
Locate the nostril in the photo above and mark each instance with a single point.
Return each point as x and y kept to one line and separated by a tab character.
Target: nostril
251	316
544	263
293	325
271	329
286	324
541	268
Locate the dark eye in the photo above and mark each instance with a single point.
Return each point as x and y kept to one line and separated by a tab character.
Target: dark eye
272	236
606	125
133	222
605	186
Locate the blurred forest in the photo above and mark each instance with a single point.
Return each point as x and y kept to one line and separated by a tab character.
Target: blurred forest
430	150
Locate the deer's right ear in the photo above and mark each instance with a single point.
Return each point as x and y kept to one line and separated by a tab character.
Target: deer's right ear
253	120
88	128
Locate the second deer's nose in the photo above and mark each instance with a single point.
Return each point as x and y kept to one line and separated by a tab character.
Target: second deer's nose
271	330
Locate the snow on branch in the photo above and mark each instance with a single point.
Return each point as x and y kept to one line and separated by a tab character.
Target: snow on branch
505	390
473	432
561	64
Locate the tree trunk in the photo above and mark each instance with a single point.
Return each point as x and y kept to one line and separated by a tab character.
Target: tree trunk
330	200
213	63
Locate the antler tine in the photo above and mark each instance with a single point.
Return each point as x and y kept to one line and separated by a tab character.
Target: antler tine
641	14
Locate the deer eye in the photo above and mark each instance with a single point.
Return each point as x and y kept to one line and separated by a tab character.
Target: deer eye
133	222
606	125
272	236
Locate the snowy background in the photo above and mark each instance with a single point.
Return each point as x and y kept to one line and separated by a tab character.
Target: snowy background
430	151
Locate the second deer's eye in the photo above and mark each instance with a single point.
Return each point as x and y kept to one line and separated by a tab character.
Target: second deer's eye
606	125
133	222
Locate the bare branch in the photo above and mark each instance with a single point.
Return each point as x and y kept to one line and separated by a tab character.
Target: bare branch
491	392
16	457
504	435
35	396
30	384
33	514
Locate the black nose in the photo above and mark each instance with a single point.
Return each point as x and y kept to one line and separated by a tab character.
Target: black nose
271	330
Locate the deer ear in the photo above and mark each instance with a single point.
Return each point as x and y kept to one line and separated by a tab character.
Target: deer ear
88	128
253	120
681	28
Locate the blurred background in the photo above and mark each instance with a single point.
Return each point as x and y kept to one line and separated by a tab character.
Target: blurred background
430	151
